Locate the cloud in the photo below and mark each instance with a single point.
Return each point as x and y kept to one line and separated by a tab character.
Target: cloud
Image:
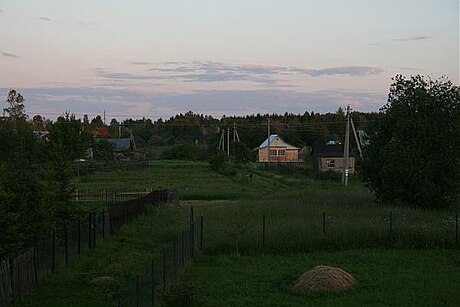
141	63
413	38
355	71
7	54
86	23
189	75
44	18
53	101
216	68
1	11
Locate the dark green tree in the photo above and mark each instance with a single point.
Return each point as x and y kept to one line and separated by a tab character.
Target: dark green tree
16	109
414	150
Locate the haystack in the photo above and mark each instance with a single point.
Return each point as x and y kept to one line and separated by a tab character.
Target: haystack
324	278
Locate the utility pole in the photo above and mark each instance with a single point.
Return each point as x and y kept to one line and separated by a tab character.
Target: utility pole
346	149
358	144
119	130
104	117
268	139
228	142
222	140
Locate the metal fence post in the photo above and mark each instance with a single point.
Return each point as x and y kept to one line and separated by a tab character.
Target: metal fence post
95	229
78	237
263	232
391	222
174	258
152	276
201	233
137	290
103	223
35	265
164	268
182	248
89	230
324	222
66	247
53	255
456	228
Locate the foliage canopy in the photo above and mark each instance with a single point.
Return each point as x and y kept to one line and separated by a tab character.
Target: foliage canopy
414	148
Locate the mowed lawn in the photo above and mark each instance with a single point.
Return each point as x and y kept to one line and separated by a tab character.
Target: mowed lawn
384	278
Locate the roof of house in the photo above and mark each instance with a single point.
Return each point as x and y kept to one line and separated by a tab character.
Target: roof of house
121	143
275	140
327	150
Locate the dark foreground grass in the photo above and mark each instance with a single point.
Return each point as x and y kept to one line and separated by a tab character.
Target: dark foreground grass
99	274
385	278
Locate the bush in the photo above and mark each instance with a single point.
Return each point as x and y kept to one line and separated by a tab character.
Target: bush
181	293
186	152
217	161
329	175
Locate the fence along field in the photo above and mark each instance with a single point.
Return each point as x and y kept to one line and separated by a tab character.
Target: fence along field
19	275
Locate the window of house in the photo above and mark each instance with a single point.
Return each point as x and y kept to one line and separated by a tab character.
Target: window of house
273	152
281	152
330	163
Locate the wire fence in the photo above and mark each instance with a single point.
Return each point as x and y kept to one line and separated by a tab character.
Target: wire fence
278	233
175	257
68	240
109	195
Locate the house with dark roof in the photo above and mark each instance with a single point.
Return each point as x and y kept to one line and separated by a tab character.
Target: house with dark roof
280	151
329	157
121	144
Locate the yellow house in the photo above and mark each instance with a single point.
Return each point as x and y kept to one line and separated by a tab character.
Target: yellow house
280	151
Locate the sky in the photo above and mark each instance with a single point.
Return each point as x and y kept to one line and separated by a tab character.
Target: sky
146	58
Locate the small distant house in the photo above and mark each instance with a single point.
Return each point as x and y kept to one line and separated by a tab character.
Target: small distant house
42	135
280	151
329	157
121	144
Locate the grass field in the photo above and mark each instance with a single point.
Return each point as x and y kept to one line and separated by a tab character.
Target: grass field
297	210
384	278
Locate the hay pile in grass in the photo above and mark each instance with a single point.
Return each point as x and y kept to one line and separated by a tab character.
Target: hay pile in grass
325	278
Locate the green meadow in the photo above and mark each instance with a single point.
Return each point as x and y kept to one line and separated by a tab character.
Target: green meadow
395	253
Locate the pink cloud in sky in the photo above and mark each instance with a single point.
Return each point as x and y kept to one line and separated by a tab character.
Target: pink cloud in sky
44	18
